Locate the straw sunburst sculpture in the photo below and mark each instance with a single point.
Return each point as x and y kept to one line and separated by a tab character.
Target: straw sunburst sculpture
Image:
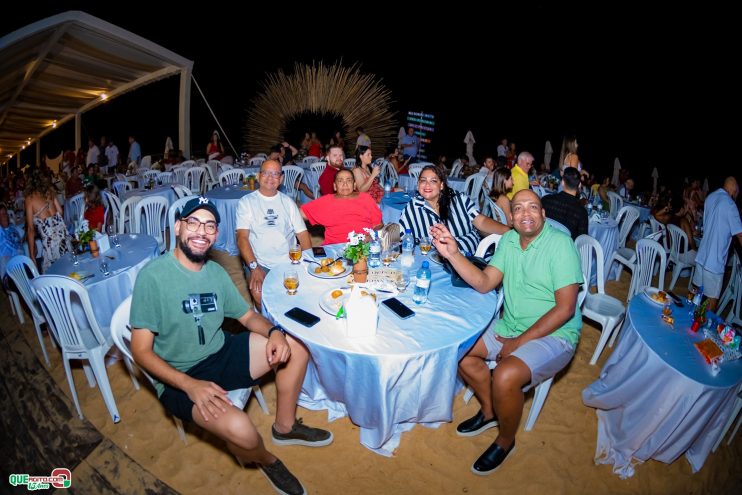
360	100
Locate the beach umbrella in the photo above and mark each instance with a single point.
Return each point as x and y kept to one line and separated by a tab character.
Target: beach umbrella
168	147
705	186
469	140
400	135
655	175
548	151
616	172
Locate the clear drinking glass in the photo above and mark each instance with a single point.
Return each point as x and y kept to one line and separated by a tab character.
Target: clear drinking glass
113	236
295	252
103	265
291	281
386	257
425	245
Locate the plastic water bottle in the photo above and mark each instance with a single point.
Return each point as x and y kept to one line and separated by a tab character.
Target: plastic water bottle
387	189
374	252
698	298
422	285
408	248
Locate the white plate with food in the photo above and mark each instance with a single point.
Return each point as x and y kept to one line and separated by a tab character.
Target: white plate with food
328	268
659	297
331	300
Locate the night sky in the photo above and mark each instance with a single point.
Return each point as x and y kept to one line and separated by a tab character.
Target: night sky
653	88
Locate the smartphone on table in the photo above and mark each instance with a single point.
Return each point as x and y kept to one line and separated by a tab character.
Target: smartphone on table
398	308
304	317
319	252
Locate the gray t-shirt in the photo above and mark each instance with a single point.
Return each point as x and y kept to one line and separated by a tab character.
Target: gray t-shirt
163	289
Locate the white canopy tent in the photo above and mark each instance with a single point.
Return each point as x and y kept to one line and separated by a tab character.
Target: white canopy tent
57	68
469	140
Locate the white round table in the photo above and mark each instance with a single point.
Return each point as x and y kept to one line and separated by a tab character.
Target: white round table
406	375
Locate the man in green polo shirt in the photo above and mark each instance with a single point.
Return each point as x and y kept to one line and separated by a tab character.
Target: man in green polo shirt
540	271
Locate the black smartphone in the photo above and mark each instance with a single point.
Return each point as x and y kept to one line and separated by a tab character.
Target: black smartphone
319	252
303	317
398	308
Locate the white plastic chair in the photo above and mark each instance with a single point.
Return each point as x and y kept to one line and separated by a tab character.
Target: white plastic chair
186	164
234	176
150	217
261	155
78	339
659	228
172	212
415	169
623	255
456	168
165	178
732	290
317	168
126	215
728	424
616	203
308	160
349	163
473	186
210	177
181	191
121	335
680	255
388	173
74	208
113	206
485	244
292	174
540	192
647	252
150	174
21	270
146	161
179	175
599	307
559	226
256	161
226	166
194	179
121	186
493	211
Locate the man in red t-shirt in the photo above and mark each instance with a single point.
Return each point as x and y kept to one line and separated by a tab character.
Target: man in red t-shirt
335	157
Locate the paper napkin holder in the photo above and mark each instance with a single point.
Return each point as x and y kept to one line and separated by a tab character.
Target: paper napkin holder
362	314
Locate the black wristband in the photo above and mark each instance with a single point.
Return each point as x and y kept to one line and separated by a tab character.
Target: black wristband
277	327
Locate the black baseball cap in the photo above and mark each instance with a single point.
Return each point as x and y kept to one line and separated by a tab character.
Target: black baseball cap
200	203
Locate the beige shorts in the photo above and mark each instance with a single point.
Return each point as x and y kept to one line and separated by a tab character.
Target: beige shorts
711	282
545	357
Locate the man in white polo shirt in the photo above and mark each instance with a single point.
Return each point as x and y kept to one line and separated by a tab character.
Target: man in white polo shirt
267	221
721	221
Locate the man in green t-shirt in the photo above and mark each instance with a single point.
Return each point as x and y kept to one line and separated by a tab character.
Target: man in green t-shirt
540	272
179	303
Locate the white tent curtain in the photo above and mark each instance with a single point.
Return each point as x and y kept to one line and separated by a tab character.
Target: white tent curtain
469	140
548	151
616	172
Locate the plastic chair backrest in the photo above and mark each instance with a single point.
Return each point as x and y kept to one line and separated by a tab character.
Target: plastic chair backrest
415	168
113	205
179	173
473	186
678	242
456	168
233	176
121	333
74	207
57	296
318	168
18	269
310	159
616	203
485	244
146	161
187	164
127	213
194	178
559	226
586	245
647	252
349	162
180	190
165	178
626	217
389	173
120	186
291	173
171	214
150	217
256	161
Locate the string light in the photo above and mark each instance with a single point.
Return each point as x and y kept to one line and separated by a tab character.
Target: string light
103	96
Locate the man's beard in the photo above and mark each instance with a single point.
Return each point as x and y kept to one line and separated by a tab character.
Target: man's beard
195	258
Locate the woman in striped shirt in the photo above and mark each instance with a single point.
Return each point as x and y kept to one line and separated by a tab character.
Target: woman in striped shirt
437	203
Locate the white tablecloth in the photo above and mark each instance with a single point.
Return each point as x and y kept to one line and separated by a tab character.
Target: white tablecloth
226	200
656	398
406	375
106	293
606	233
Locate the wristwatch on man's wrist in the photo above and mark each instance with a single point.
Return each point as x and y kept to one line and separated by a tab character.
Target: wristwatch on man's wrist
252	265
277	328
